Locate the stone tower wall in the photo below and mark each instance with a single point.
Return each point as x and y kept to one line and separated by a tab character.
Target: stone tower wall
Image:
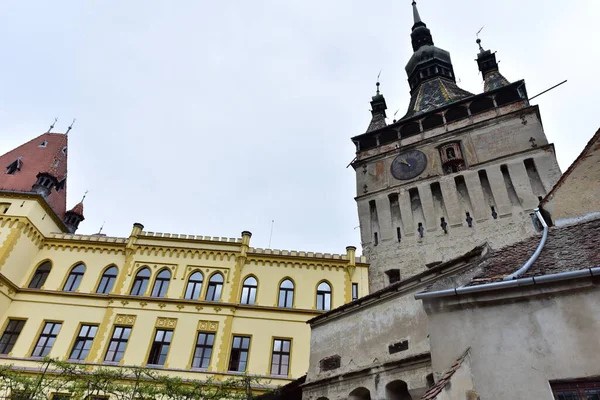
509	165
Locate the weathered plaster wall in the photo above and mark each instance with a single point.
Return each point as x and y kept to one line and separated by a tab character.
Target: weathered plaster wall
519	344
579	194
361	338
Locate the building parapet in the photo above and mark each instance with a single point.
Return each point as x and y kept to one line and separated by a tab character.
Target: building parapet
190	237
88	238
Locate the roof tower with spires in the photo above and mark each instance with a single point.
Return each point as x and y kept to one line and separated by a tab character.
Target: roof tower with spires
430	72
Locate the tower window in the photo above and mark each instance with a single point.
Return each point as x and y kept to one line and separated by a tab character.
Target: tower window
452	159
393	275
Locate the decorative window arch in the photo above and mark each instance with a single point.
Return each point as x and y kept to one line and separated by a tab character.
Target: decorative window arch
40	275
108	280
215	287
324	296
74	279
161	283
194	286
286	294
140	282
249	289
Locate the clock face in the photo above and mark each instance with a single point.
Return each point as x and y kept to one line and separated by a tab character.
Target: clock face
409	165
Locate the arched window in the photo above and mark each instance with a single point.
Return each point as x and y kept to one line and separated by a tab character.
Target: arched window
215	286
161	284
360	394
140	283
324	296
40	276
108	280
286	294
397	390
249	290
194	286
74	278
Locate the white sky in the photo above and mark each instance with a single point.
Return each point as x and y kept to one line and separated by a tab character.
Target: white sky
213	117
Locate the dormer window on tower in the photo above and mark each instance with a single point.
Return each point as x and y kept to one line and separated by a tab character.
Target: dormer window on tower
14	167
452	158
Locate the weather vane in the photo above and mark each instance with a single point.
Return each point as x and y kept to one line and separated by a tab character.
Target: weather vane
70	127
52	126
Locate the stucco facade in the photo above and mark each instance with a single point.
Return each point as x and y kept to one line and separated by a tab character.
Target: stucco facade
521	339
28	240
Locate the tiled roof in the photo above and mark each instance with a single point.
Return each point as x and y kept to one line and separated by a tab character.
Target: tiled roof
377	122
494	80
568	248
441	384
432	94
468	257
78	209
42	154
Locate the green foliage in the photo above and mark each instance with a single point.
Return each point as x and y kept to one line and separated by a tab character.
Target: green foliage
118	383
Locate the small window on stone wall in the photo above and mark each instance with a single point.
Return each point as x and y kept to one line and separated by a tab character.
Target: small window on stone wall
330	363
4	208
393	275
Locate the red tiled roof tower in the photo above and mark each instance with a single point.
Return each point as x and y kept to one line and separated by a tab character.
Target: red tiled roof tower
46	155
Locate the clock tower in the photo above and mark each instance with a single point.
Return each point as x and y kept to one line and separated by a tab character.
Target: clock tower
457	170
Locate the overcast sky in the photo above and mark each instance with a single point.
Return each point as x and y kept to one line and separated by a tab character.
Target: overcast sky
213	117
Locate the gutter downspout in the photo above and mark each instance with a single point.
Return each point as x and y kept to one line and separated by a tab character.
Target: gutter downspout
513	280
537	252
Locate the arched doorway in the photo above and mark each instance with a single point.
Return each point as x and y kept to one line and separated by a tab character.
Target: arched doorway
360	393
397	390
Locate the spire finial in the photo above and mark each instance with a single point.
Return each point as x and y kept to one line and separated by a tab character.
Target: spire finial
70	127
52	126
85	194
416	15
478	41
377	83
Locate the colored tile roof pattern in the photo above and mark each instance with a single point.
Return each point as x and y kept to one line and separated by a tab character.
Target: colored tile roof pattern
441	384
377	122
494	80
567	248
42	154
432	94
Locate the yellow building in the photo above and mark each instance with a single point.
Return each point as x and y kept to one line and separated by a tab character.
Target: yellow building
190	306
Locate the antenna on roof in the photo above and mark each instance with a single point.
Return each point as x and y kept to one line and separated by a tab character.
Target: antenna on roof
271	234
52	126
395	115
102	227
70	127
